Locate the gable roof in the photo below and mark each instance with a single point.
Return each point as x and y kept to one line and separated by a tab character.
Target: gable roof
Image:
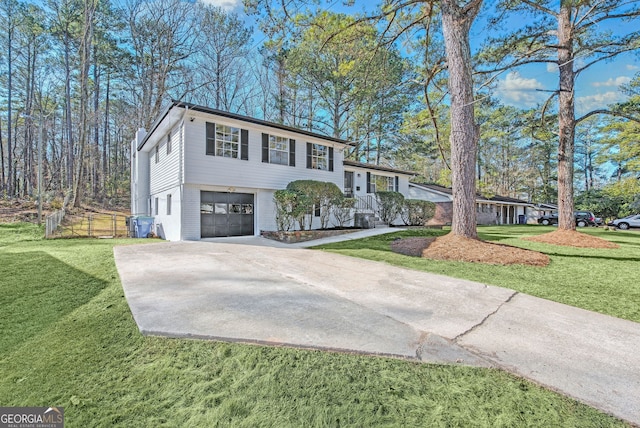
448	191
376	167
208	110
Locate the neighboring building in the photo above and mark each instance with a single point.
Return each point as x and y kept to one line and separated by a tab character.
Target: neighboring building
494	210
204	173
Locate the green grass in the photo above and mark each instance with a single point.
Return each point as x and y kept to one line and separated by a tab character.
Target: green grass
70	340
601	280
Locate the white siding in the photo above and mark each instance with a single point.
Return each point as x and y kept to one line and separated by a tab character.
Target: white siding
253	173
265	211
165	174
168	226
190	213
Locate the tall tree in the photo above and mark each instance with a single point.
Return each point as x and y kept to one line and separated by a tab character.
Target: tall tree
222	58
456	18
65	26
456	25
162	38
9	9
86	50
560	33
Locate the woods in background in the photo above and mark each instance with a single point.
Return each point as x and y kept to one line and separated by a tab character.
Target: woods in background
79	77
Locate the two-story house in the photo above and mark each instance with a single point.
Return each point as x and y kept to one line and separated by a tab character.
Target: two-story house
202	172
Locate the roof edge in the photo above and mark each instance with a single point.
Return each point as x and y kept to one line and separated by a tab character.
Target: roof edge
376	167
235	116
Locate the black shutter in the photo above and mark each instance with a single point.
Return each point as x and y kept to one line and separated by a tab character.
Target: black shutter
368	182
211	139
397	186
265	147
244	144
308	155
330	158
292	152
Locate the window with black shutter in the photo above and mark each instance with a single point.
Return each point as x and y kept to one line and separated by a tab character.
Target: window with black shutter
211	139
244	144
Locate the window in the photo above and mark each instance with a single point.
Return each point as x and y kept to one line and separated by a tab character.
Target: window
319	157
278	150
157	156
383	183
169	143
227	141
156	206
169	204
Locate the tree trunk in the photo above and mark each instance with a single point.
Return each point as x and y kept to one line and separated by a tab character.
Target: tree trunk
67	102
2	176
85	58
105	139
566	120
10	189
456	23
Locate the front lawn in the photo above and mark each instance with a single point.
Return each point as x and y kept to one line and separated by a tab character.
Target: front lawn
69	340
601	280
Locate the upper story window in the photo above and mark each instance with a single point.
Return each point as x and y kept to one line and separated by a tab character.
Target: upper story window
227	141
169	143
319	157
278	150
157	155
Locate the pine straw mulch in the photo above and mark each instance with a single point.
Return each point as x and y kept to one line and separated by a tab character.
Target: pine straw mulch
457	248
572	238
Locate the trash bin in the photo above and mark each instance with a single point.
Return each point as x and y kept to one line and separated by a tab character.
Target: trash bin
522	219
142	226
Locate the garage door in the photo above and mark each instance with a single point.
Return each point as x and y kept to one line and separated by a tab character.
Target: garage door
226	214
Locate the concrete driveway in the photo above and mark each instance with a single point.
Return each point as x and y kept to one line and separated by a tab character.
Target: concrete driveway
251	290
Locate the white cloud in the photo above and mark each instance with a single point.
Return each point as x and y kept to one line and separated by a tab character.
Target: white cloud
520	91
632	67
552	67
592	102
620	80
225	4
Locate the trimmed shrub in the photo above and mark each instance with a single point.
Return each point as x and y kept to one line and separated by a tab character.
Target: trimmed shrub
417	212
389	205
314	194
343	211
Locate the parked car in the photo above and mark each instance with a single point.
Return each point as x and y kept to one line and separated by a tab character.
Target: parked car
627	222
583	219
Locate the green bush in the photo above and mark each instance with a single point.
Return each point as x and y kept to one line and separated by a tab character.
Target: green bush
389	205
416	212
309	194
286	206
342	211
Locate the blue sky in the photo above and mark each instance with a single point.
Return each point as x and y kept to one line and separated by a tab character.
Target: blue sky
524	88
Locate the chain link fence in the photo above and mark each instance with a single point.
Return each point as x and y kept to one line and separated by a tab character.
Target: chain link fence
87	225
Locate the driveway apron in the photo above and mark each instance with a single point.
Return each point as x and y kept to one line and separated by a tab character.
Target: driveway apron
314	299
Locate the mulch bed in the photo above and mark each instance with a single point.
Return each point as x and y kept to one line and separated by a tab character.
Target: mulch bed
572	238
456	248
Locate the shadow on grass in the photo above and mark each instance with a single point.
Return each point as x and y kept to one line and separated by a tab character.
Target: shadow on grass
36	290
583	256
